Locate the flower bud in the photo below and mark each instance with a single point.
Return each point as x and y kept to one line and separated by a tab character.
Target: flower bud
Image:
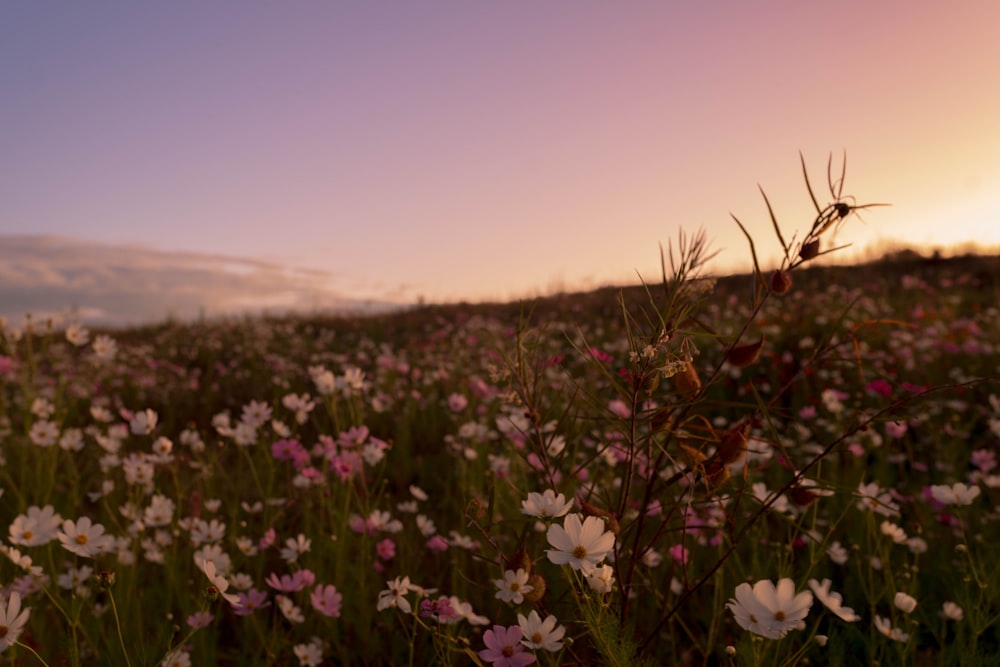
538	588
733	444
686	381
809	250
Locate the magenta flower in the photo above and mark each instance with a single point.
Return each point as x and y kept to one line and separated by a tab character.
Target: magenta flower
440	609
504	648
326	600
291	583
200	619
386	549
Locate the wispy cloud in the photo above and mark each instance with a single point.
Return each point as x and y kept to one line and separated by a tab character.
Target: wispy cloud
119	284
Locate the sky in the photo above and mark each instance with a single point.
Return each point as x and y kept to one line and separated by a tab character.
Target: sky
243	154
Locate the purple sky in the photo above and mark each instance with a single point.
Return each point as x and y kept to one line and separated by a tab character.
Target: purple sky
457	150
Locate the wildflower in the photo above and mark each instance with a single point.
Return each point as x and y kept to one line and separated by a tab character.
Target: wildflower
251	601
326	600
884	626
291	583
219	583
289	609
199	620
143	422
395	595
503	648
897	534
309	655
12	620
256	414
768	610
439	609
541	634
601	579
904	602
832	601
952	611
837	553
956	494
77	335
85	538
176	658
295	547
513	586
160	511
878	501
38	526
105	348
464	610
44	433
545	505
386	549
580	545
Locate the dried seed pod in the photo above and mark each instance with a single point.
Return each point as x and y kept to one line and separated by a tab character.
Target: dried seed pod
686	381
519	560
716	474
781	282
810	249
742	356
538	588
733	444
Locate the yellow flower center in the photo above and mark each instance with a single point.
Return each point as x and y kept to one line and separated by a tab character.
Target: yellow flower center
81	539
580	553
508	651
27	535
536	638
3	631
779	615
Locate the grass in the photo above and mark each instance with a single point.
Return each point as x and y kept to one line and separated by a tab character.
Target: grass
711	432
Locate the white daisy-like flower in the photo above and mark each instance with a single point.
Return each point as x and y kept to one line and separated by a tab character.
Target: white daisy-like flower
220	583
541	634
905	603
832	601
546	505
581	545
513	586
12	621
884	626
768	610
956	494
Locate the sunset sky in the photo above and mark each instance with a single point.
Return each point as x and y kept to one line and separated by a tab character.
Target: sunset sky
474	150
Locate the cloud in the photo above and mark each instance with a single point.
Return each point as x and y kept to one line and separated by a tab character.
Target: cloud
105	284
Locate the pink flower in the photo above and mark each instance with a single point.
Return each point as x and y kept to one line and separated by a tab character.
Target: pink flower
200	619
269	537
386	549
251	601
437	544
503	647
679	554
326	600
440	609
291	583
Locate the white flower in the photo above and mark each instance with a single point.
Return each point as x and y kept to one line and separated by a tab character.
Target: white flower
897	534
601	579
832	601
85	538
546	505
904	602
837	553
956	494
12	620
582	546
513	586
541	634
875	499
219	583
311	654
884	626
395	595
952	611
295	547
289	609
105	348
768	610
143	422
77	335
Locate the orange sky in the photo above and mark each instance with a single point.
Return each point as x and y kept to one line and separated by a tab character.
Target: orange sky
490	150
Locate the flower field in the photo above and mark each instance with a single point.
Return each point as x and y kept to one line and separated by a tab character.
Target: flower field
797	467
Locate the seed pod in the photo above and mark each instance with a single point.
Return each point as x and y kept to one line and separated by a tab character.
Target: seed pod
733	444
519	560
781	282
742	356
538	588
810	249
716	474
802	496
686	382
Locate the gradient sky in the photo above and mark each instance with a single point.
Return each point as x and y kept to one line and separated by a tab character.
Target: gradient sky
473	150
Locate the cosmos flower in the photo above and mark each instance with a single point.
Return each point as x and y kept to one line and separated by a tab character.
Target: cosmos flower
503	647
768	610
546	505
581	545
12	621
541	634
832	601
